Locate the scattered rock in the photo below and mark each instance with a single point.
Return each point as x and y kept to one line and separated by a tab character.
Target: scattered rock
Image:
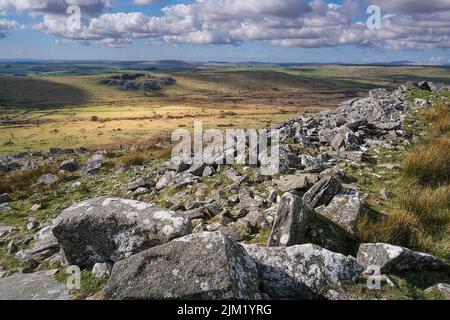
293	217
4	198
48	179
292	182
101	270
36	207
385	194
93	165
322	192
5	207
344	209
32	223
69	165
108	229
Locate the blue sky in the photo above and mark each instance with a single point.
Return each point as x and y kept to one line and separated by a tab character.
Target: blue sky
224	38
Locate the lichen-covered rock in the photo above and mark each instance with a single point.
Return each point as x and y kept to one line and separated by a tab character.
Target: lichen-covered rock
47	179
294	182
93	164
165	180
108	229
344	209
301	271
33	286
322	192
199	266
395	259
293	217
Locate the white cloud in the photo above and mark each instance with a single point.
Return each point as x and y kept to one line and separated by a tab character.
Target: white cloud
6	26
406	24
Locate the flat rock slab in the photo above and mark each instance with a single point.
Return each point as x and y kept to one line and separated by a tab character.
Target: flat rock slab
32	286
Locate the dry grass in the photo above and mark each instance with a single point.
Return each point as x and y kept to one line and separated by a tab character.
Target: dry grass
136	159
23	180
429	163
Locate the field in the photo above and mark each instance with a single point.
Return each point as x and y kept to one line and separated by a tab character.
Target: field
56	104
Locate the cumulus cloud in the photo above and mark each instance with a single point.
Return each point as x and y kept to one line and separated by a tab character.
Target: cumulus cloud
58	7
406	24
6	26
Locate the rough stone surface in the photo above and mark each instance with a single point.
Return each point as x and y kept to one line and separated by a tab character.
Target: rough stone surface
32	286
93	165
344	209
322	192
108	229
395	259
199	266
293	217
101	270
4	197
292	182
69	165
301	271
48	179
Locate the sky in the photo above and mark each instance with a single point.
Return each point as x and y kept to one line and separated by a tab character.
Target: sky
299	31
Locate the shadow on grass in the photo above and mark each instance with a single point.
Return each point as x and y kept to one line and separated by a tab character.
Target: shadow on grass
37	93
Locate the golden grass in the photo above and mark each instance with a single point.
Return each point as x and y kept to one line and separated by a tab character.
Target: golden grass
136	159
429	163
23	180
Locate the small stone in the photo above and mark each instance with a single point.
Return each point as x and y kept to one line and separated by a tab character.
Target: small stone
385	194
4	198
35	207
69	165
5	207
101	270
32	223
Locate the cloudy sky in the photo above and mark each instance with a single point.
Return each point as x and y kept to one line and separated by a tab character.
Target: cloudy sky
226	30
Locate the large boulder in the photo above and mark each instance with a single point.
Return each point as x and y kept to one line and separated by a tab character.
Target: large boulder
108	229
293	218
394	259
344	209
199	266
322	192
301	271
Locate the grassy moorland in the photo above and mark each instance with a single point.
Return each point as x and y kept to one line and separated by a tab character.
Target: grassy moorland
62	104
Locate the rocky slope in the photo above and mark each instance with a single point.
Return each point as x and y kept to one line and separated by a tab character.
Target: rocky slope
223	232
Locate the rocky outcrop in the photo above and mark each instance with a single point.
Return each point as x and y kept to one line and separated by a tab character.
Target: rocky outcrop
394	259
199	266
108	229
